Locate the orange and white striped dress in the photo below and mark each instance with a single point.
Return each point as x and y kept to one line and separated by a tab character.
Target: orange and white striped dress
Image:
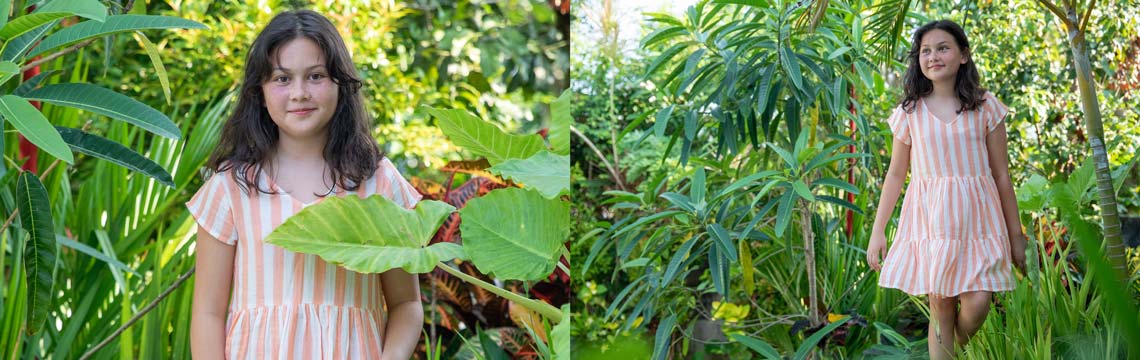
286	305
951	235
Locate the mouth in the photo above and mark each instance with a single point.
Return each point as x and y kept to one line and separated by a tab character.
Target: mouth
302	112
934	67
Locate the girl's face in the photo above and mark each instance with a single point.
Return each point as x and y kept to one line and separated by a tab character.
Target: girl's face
940	56
299	95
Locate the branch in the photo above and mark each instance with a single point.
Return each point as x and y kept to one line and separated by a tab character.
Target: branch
1057	11
1088	13
609	167
139	315
51	57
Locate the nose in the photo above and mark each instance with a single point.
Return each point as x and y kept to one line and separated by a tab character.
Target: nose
299	91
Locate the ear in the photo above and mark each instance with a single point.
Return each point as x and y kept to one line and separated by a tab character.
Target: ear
965	56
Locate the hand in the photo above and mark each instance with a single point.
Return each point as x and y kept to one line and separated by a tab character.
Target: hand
876	250
1017	249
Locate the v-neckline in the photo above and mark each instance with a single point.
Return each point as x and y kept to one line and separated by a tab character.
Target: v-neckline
273	187
926	108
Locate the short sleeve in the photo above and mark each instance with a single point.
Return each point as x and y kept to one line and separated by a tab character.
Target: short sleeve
211	207
995	112
401	191
899	126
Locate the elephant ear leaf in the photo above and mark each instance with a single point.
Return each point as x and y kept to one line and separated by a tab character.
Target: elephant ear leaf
390	237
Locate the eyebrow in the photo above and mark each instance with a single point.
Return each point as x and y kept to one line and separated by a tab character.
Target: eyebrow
284	70
940	43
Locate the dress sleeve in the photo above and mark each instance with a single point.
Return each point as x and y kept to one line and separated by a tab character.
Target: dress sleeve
400	190
899	126
995	112
211	207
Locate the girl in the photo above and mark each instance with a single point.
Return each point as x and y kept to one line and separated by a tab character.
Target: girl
299	133
959	228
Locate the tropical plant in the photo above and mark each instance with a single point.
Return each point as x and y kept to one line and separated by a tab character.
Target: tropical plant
514	233
34	324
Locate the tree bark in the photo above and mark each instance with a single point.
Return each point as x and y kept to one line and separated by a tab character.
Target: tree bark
1095	130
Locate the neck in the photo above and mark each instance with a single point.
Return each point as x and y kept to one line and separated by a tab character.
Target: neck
944	89
308	150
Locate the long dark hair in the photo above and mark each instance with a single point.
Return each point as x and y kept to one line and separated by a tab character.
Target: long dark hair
250	137
966	87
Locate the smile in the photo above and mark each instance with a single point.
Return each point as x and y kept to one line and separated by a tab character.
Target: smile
302	112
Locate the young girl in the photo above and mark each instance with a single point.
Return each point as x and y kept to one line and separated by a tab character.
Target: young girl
299	133
959	228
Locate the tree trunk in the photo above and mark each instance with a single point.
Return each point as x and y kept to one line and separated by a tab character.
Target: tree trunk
1095	129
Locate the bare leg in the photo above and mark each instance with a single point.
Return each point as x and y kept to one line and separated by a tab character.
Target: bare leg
975	307
943	320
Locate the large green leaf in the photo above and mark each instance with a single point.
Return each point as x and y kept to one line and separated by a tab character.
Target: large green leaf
545	172
15	48
39	250
370	235
113	24
514	234
560	336
483	138
91	9
156	60
560	118
28	22
106	102
103	148
34	126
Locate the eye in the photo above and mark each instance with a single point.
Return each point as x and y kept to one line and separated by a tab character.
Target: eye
281	79
317	76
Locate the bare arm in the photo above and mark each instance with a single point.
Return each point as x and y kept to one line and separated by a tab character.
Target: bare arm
214	273
405	314
998	147
892	186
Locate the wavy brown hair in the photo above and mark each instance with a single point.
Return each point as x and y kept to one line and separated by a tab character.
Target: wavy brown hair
249	137
966	86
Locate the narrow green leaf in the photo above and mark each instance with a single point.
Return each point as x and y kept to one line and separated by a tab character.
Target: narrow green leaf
675	262
156	60
802	190
638	262
388	236
759	346
83	248
836	183
31	84
664	57
491	349
697	189
34	126
663	337
660	35
802	351
514	233
105	149
105	102
784	154
113	24
718	264
5	9
838	52
560	119
723	240
28	22
784	212
39	250
764	89
483	138
746	267
791	67
7	69
747	181
662	120
15	48
91	9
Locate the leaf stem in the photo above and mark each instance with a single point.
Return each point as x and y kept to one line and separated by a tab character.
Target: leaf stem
543	308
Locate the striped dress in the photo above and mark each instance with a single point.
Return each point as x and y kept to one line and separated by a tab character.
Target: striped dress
951	235
286	305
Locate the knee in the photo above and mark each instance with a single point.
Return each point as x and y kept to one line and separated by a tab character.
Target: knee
943	305
976	303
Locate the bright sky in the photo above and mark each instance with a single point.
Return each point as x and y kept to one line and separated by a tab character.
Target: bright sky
630	18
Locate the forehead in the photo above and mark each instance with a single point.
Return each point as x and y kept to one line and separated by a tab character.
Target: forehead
297	54
936	36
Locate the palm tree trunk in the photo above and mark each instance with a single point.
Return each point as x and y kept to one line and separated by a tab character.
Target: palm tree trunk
1095	129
